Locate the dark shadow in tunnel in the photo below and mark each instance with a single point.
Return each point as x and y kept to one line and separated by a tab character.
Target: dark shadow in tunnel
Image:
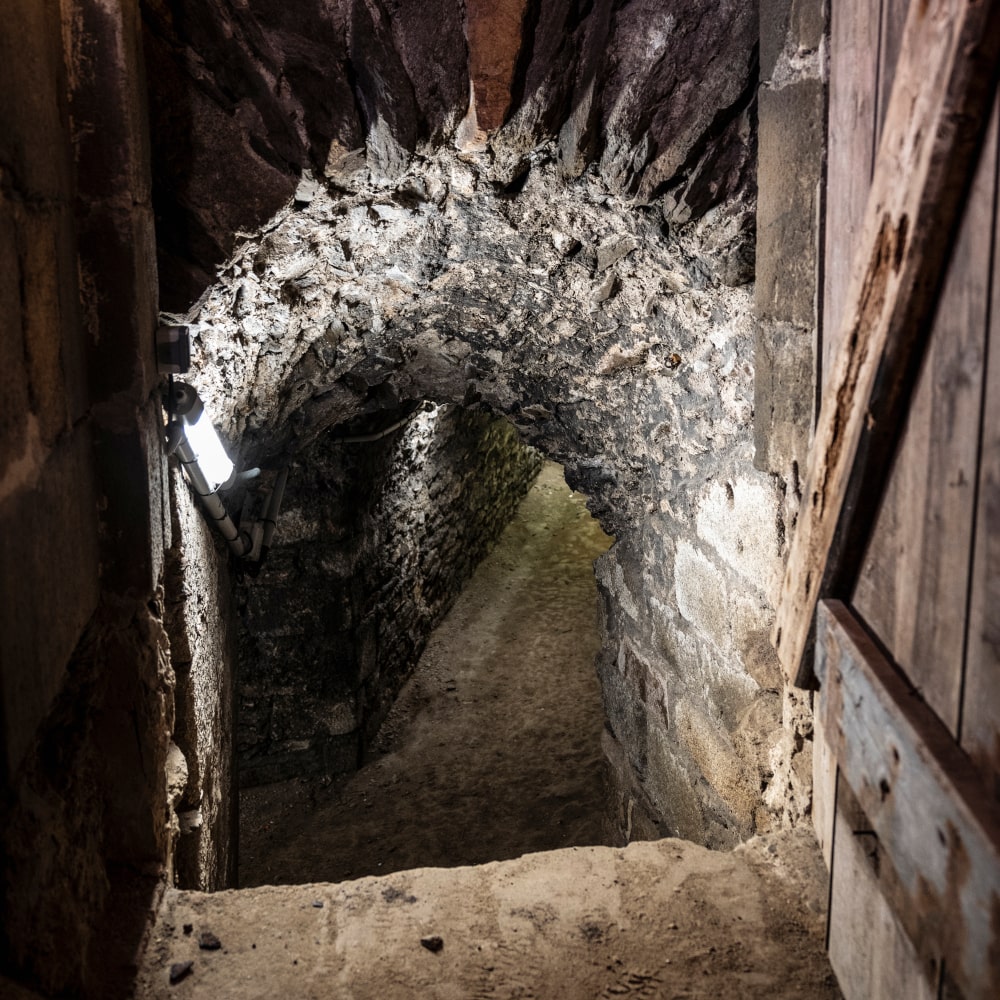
313	815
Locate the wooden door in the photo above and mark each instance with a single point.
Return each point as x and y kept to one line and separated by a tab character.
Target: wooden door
907	760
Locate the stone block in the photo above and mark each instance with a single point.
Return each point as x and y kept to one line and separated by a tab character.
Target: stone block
789	171
739	520
784	396
794	24
808	23
126	461
791	136
42	363
631	815
31	67
672	788
702	594
773	33
723	767
48	584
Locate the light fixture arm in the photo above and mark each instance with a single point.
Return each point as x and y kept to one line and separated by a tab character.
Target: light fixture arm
238	541
209	469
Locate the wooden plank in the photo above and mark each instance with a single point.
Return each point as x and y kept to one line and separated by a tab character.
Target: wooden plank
890	42
940	101
824	772
870	951
923	798
850	156
980	730
918	555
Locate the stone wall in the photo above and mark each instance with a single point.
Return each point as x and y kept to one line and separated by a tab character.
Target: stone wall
247	99
374	543
791	177
200	621
621	347
542	221
578	262
790	171
86	699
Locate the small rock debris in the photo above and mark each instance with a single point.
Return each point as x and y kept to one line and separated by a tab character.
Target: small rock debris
207	941
432	943
179	971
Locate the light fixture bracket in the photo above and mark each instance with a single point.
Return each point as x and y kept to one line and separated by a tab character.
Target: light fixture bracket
173	350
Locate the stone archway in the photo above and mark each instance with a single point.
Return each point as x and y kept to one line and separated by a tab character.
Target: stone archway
583	270
618	346
642	112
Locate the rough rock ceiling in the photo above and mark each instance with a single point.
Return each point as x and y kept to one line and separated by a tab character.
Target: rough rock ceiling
618	346
245	96
508	202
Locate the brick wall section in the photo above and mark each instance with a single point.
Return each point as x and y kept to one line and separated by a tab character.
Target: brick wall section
373	545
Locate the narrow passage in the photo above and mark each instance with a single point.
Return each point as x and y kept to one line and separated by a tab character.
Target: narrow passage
493	747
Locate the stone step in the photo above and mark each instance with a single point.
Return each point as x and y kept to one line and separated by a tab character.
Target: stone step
655	919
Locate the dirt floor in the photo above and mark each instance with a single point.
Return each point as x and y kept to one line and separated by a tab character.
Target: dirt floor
493	748
661	919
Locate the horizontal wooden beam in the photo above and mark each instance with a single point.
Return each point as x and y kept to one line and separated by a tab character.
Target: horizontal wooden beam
936	823
941	97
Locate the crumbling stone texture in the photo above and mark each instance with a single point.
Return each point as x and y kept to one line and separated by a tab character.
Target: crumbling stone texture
245	99
578	261
792	143
375	542
617	346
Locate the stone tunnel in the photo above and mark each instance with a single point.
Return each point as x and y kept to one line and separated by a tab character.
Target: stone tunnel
579	231
553	234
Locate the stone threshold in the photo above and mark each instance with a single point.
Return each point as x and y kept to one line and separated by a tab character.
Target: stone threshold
655	919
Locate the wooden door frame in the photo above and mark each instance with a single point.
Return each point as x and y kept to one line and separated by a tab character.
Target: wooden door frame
940	104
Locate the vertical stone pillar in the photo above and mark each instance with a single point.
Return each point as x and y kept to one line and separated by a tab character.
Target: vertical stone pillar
791	178
792	134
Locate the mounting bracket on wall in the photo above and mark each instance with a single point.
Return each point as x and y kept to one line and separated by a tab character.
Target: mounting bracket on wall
173	350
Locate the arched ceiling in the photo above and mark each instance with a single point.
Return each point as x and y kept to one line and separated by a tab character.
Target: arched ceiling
618	344
245	95
543	205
